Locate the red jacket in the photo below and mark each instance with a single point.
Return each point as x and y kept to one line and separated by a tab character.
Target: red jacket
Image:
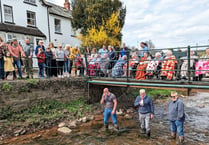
41	57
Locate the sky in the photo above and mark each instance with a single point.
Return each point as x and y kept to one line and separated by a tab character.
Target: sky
168	23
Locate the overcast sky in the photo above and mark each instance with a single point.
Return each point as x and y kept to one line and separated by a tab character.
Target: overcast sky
168	23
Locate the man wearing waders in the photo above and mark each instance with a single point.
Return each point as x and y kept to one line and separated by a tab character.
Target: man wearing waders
145	108
176	117
110	107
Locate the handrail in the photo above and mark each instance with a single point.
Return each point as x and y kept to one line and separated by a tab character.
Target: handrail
149	84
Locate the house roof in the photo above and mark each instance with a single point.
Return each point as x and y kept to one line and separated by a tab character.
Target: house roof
59	11
45	3
21	30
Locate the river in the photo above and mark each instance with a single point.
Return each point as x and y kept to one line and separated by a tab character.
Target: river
92	133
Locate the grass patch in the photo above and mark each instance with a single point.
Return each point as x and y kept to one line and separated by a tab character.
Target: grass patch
48	111
33	81
7	87
158	93
153	93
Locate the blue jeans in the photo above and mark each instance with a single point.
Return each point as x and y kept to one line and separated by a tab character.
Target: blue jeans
18	64
66	66
107	114
41	69
177	126
1	68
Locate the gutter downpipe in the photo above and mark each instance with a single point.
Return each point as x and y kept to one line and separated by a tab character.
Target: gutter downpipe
48	24
1	12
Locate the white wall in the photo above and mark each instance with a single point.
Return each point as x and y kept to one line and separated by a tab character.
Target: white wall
20	14
20	19
66	30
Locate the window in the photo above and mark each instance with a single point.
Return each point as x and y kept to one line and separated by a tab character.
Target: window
30	1
31	18
8	14
10	36
57	24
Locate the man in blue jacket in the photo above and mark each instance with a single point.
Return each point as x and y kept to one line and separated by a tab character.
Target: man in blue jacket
176	117
145	108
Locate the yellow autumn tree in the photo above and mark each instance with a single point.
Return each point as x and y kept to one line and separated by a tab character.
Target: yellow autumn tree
106	34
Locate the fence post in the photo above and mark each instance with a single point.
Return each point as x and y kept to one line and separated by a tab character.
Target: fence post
86	62
189	71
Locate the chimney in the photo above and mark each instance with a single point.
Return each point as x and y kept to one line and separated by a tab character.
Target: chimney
67	5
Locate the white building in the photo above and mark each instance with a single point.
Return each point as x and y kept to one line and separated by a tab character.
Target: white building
60	25
36	19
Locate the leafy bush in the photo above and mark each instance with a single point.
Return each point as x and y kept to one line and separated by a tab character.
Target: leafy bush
7	87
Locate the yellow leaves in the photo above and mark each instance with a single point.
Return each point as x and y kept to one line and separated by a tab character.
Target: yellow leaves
106	33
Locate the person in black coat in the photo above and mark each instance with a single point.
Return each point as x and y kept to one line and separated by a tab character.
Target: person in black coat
49	56
111	56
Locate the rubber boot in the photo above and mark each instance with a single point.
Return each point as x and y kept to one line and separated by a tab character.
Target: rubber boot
116	127
143	131
106	127
173	136
181	140
148	133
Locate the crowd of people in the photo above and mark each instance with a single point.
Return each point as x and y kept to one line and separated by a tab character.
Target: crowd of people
106	62
52	62
141	66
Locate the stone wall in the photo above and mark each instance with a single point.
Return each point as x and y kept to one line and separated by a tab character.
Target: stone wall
123	94
17	95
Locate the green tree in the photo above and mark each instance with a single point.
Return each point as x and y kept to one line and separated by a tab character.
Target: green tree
92	14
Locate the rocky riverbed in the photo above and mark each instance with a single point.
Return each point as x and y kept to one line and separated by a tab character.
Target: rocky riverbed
89	130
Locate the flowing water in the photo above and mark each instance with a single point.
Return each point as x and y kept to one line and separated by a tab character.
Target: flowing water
92	133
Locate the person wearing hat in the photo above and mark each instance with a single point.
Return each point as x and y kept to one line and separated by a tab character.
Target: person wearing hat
16	50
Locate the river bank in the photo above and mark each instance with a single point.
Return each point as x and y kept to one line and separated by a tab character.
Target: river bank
92	133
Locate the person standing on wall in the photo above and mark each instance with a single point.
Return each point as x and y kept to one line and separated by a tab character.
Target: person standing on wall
3	48
102	51
145	108
53	63
110	108
60	57
28	60
67	60
123	51
49	57
16	50
8	66
75	59
41	61
145	48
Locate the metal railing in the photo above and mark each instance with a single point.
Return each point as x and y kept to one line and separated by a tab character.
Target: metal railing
91	68
94	70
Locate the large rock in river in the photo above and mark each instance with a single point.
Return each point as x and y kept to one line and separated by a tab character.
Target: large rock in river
64	130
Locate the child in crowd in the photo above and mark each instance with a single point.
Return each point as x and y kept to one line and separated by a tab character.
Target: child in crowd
41	60
8	65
